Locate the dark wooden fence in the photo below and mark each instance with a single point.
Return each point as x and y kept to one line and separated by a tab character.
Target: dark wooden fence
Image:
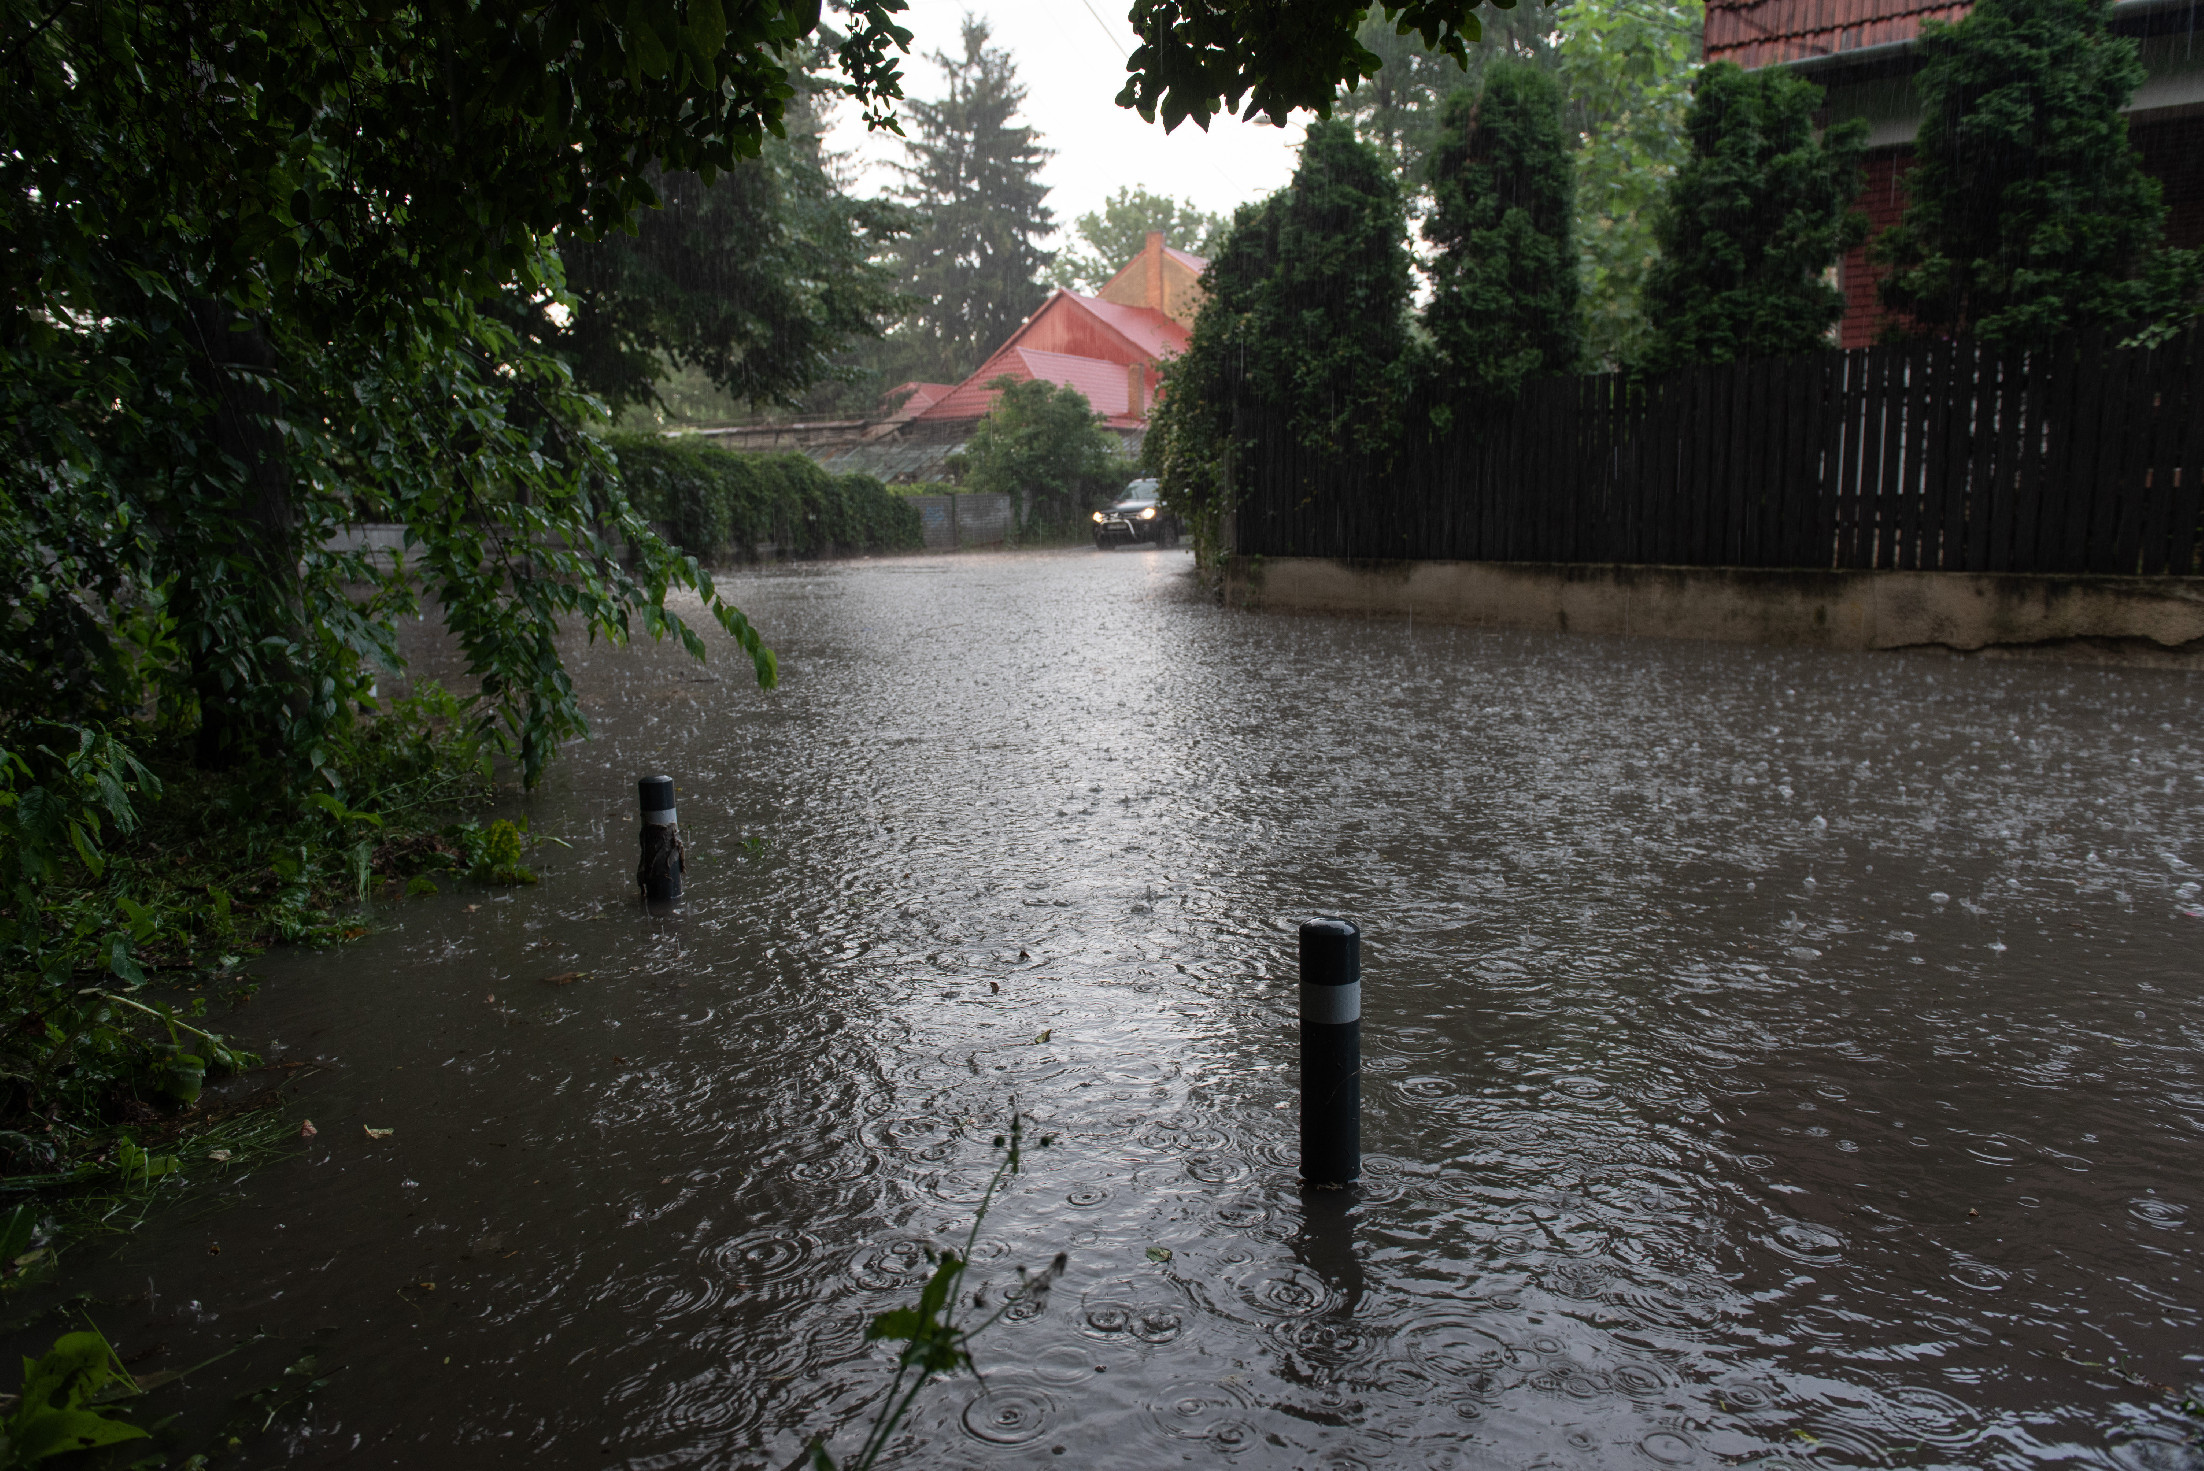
1948	455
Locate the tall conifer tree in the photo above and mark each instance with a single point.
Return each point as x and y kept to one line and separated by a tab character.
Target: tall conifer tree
1332	320
1305	333
1754	218
2030	213
1504	280
1398	108
973	262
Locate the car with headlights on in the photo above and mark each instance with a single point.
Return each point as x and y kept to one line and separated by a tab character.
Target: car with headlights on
1138	515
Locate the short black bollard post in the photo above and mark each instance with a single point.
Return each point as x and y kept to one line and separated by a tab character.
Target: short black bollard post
659	874
1331	1053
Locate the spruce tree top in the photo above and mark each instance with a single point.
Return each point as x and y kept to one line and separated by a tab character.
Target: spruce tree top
1504	279
2029	213
1336	304
974	261
1757	214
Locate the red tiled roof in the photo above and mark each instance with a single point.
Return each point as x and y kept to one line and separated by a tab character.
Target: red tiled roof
1187	258
1758	33
913	399
1105	384
1146	328
1110	339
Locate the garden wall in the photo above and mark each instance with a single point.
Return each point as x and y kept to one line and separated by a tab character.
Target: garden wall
2155	621
949	521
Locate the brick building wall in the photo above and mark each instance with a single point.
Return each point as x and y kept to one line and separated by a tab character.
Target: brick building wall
2173	154
1882	199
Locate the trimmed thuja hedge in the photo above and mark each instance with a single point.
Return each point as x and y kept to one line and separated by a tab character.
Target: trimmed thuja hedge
712	501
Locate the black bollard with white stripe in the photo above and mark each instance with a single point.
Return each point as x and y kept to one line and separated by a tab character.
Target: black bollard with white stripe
1331	1053
659	874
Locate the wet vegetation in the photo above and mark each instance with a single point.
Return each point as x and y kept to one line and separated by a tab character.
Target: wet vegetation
716	503
938	1329
138	889
1042	445
2029	218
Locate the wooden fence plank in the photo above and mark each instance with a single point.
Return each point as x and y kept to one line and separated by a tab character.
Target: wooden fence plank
1880	548
1982	460
1842	450
2185	549
2117	545
2029	473
1933	455
1939	432
2080	470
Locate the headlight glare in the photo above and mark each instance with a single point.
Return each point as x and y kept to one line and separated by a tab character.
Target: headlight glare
1149	514
1098	516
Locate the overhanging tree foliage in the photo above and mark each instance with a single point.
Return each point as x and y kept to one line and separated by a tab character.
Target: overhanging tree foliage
1397	109
1758	213
1504	270
760	280
248	246
1198	58
2028	211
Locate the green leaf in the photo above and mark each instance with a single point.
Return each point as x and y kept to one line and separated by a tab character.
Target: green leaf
646	51
49	1419
38	1435
899	1324
15	1234
87	850
120	962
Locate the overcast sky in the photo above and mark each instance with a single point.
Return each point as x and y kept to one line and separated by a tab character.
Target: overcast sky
1071	60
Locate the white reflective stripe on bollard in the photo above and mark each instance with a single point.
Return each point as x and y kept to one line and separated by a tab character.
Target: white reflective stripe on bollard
661	818
1331	1003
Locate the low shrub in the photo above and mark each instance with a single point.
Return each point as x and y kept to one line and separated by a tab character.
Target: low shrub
715	502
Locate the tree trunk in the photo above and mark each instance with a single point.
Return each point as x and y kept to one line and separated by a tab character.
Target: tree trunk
234	368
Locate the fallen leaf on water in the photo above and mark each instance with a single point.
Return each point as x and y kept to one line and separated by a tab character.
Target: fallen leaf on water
567	978
995	988
619	1059
1159	1253
1023	956
376	1133
472	908
219	1156
306	1129
1042	1035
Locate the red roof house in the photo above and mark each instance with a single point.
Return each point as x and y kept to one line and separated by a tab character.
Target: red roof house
1106	345
1862	53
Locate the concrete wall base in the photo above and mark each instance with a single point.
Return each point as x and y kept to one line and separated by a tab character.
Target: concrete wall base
2154	621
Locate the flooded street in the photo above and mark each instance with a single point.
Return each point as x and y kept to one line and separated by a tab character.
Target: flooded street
1771	1056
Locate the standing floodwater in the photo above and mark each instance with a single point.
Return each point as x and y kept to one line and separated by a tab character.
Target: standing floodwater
1768	1055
